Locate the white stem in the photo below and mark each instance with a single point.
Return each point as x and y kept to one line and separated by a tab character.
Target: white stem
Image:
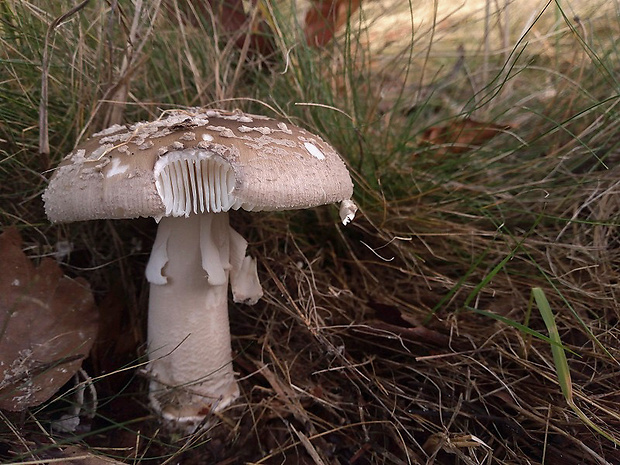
188	332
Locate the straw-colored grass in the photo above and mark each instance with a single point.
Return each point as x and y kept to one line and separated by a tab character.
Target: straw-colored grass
470	313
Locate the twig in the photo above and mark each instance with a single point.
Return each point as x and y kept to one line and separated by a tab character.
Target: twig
44	144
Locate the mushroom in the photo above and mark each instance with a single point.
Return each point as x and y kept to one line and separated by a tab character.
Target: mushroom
187	170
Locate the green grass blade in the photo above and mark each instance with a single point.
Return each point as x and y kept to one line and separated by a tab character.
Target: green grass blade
523	328
559	357
561	363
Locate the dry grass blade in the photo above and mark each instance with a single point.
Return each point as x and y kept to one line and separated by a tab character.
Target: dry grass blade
44	147
132	58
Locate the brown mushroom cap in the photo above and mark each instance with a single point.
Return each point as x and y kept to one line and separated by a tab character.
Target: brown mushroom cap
191	161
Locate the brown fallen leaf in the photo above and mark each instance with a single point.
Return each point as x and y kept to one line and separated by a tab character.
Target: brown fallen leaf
325	17
231	17
462	135
417	334
48	323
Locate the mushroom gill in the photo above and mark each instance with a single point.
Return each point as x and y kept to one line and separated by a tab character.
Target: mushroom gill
194	181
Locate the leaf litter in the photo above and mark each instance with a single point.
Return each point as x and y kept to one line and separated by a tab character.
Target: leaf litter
48	324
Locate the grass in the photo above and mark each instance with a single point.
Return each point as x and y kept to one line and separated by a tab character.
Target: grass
410	336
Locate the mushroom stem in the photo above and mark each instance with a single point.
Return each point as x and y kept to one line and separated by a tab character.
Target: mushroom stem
188	331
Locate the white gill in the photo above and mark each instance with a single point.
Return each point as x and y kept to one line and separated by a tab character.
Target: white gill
194	181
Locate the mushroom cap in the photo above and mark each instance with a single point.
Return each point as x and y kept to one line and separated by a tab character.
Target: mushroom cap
194	161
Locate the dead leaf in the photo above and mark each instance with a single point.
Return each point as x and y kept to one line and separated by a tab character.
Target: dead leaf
417	334
325	17
461	135
48	323
235	20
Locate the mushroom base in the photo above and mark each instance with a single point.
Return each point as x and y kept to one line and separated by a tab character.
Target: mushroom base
188	330
191	358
